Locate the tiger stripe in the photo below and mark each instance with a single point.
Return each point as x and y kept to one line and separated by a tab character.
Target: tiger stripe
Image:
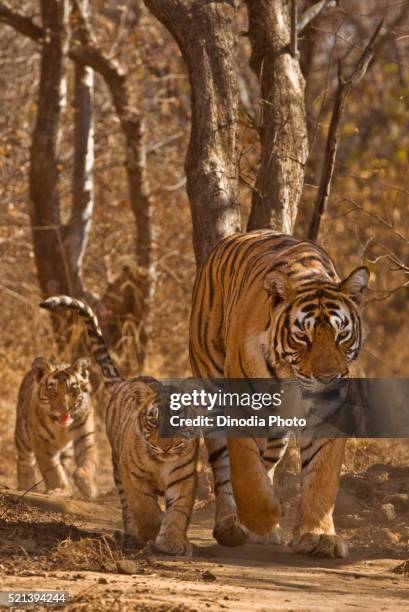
269	305
144	464
46	392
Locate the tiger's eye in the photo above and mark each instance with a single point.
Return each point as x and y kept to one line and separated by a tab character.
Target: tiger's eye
343	334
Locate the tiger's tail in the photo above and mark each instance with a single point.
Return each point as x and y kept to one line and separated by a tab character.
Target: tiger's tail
98	345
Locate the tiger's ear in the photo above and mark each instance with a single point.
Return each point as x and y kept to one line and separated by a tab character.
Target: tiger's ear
279	287
82	367
41	366
355	284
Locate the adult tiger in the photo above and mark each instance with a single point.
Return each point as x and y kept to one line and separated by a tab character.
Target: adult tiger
269	305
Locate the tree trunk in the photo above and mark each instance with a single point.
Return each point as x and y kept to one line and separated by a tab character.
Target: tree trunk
49	253
136	286
79	224
204	33
283	131
128	296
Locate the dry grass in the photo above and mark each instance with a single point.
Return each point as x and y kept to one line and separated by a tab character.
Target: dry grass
86	554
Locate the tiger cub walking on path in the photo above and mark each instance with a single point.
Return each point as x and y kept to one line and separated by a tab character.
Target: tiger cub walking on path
145	465
55	421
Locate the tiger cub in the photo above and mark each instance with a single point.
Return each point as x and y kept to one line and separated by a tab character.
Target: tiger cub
55	421
145	465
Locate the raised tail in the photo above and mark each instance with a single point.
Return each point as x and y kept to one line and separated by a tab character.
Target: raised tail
99	348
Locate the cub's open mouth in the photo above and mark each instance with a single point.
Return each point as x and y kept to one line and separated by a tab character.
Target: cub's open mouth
65	419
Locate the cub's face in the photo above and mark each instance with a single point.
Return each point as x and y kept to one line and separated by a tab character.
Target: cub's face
63	390
162	448
318	330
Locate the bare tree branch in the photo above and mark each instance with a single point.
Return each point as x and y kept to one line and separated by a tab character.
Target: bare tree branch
293	28
345	86
283	132
44	171
53	271
204	33
85	51
79	224
21	23
313	12
378	218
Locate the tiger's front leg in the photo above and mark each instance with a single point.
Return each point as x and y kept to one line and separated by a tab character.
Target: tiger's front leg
127	520
25	467
179	498
272	453
321	462
86	458
51	469
141	512
67	457
228	531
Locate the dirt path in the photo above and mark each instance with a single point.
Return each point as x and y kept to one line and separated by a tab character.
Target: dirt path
73	546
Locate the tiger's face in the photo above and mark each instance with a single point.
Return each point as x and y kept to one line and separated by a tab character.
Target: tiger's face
162	448
318	330
63	390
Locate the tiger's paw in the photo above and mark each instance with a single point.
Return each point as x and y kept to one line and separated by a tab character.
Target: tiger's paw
60	492
320	545
174	547
273	537
230	532
85	484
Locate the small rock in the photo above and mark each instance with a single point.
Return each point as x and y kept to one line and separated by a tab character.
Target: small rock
208	576
356	487
125	566
399	500
102	580
386	512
